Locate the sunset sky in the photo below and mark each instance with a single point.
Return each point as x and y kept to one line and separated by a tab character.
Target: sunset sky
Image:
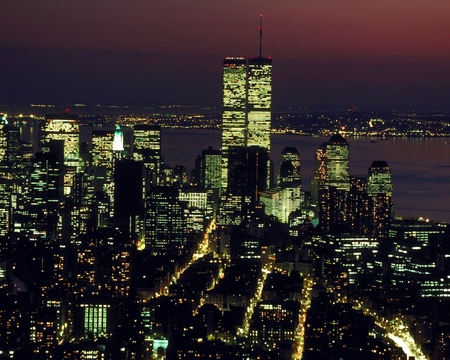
327	54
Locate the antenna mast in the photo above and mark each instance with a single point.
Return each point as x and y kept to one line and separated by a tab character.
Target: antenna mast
260	35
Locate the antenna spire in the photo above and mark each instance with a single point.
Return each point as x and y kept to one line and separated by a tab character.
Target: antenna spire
260	35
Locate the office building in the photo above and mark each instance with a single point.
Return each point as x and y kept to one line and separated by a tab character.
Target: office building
337	163
165	221
147	148
281	202
289	167
65	127
380	191
210	171
259	105
129	193
247	106
234	108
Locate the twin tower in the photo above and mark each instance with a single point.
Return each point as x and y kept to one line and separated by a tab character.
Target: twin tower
247	106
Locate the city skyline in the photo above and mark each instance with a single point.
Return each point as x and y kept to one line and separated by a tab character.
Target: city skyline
376	55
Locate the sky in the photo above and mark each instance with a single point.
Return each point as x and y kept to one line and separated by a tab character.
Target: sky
327	54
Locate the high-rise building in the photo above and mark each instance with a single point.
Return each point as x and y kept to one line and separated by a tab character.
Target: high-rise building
234	107
129	193
46	192
259	102
118	139
65	127
210	169
102	149
331	182
247	105
380	190
320	172
165	221
289	167
380	179
357	206
147	148
337	165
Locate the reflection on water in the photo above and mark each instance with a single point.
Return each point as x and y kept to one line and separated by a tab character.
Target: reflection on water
420	167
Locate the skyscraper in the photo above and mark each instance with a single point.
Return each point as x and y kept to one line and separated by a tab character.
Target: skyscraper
380	190
247	105
165	221
65	127
147	148
338	163
259	105
259	102
234	108
331	182
331	168
289	167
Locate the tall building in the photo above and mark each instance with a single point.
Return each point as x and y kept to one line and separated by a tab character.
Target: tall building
102	149
147	148
337	165
46	192
247	105
210	169
357	206
331	182
65	127
129	193
380	179
234	109
165	221
289	167
320	172
259	102
331	166
380	190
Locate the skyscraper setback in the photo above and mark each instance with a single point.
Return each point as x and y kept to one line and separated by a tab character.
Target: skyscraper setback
247	105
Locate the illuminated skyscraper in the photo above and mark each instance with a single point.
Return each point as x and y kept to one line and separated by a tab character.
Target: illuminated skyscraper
165	222
320	172
380	190
259	102
247	105
102	149
147	148
65	127
46	191
102	161
337	167
118	139
290	167
331	182
234	121
380	179
210	169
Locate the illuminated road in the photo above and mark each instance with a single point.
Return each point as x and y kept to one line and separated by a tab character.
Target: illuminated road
397	331
254	301
203	248
400	334
304	306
